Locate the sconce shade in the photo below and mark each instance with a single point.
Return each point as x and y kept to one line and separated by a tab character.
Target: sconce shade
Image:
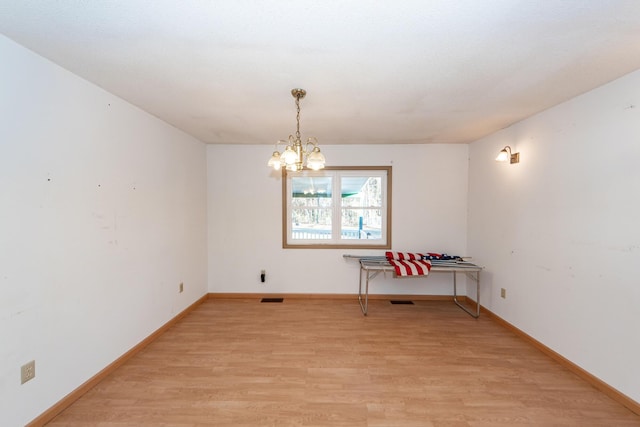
503	156
506	154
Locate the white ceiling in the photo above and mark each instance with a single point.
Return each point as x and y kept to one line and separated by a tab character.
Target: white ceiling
386	71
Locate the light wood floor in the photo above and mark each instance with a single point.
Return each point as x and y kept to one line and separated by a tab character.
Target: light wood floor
321	363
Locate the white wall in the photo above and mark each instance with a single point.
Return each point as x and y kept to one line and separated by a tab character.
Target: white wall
245	217
560	230
103	214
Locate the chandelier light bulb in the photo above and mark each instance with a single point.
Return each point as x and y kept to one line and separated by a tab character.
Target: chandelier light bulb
275	161
289	156
315	160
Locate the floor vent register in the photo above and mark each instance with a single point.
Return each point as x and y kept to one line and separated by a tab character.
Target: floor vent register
272	300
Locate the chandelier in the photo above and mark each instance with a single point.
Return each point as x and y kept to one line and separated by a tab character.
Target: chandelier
296	156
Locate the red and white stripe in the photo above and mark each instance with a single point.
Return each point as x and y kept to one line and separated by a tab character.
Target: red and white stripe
417	267
403	256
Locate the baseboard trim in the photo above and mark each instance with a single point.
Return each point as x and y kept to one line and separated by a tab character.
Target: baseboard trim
596	382
353	297
66	401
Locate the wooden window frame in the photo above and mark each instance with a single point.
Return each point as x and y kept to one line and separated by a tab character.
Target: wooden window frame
347	244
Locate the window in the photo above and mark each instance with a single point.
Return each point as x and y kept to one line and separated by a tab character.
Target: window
345	207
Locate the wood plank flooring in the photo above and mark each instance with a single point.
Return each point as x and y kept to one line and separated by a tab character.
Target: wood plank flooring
321	363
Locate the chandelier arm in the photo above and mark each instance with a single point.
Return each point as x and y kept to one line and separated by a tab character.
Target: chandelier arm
311	143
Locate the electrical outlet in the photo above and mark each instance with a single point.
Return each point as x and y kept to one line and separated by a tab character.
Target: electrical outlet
27	371
503	293
181	288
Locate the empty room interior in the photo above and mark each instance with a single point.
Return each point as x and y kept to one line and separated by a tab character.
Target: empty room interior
204	206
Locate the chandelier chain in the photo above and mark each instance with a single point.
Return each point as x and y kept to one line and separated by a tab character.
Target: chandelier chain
298	117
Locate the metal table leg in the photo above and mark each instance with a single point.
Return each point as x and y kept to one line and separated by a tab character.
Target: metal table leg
368	276
364	307
455	294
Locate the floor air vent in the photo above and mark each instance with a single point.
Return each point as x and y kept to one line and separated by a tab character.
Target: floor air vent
272	300
401	301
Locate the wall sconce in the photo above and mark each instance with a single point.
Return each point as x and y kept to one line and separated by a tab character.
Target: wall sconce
506	154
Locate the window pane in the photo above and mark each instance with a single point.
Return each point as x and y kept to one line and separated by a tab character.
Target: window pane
311	207
361	191
310	224
311	186
361	224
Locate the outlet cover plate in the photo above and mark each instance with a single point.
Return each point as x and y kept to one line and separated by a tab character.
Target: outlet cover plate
27	371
